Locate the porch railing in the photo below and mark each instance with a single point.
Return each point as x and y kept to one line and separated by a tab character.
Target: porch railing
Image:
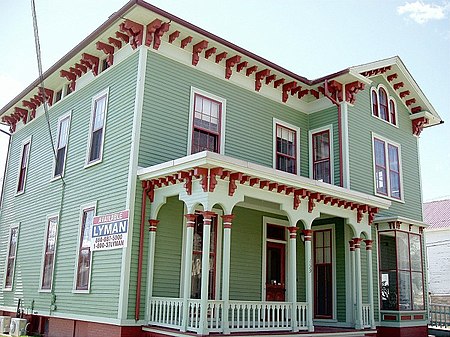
366	315
440	315
248	316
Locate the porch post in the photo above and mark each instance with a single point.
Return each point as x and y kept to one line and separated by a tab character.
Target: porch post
203	325
353	279
370	281
309	279
293	275
190	223
153	225
227	221
358	286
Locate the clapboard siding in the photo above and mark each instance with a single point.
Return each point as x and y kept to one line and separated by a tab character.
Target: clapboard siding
249	116
361	124
105	184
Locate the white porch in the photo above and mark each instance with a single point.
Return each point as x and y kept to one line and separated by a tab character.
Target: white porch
207	180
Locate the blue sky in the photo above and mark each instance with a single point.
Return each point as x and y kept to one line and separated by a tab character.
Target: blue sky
310	38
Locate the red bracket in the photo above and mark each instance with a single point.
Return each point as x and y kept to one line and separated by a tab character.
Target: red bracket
416	109
360	212
187	177
186	41
46	95
410	101
203	173
221	56
150	30
134	30
334	89
315	93
286	89
279	82
418	124
270	78
159	34
273	186
11	121
29	105
351	89
174	36
241	66
259	77
108	50
209	52
68	75
116	43
404	93
251	70
253	181
230	63
263	184
390	78
92	60
81	67
302	93
216	171
21	114
124	37
398	85
299	193
197	49
232	184
76	71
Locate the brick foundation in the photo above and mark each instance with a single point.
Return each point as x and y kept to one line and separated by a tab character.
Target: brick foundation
415	331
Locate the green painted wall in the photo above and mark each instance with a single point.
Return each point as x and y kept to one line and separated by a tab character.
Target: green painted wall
361	124
105	183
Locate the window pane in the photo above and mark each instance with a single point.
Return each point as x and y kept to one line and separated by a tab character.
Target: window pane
99	113
380	167
393	113
383	105
13	242
388	251
404	290
60	156
276	232
322	171
416	253
393	158
389	290
48	271
321	145
403	250
87	226
51	235
417	291
96	144
63	132
83	269
374	103
9	272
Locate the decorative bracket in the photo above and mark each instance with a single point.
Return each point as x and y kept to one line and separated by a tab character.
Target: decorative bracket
134	30
259	76
203	173
108	50
418	124
286	89
391	77
404	93
216	171
221	56
91	60
197	49
124	37
159	33
241	66
150	30
279	82
174	36
230	63
251	70
116	43
209	52
398	85
185	42
299	193
187	177
232	184
351	89
69	76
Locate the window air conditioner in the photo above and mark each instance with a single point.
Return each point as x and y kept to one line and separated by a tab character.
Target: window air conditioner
5	321
18	327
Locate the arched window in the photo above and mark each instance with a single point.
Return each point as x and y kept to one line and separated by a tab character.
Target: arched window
392	111
384	113
374	103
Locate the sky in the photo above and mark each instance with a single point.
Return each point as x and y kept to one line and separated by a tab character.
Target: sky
311	38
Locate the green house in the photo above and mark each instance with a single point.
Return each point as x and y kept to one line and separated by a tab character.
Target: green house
163	181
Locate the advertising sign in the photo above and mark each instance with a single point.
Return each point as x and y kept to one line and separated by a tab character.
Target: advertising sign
110	231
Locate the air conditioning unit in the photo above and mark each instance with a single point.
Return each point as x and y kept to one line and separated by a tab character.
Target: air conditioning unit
5	321
18	327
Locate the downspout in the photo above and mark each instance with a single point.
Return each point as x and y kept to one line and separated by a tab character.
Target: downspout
327	95
141	253
6	165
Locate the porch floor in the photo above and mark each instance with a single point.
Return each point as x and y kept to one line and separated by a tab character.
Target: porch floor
319	331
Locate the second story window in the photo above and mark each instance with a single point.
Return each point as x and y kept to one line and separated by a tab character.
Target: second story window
61	145
387	168
49	253
286	154
321	163
23	168
84	252
383	106
11	257
97	128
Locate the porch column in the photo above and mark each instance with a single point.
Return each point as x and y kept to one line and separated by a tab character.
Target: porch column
153	225
293	275
190	223
207	218
309	278
370	281
353	279
227	221
358	286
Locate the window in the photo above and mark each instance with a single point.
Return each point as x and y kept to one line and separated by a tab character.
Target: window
49	253
383	106
105	65
286	150
321	153
97	134
207	116
58	95
11	257
68	89
23	165
387	171
61	145
84	253
401	273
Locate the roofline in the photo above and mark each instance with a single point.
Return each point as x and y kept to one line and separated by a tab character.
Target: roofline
118	14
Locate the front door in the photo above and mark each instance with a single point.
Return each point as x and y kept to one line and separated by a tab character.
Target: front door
275	272
323	274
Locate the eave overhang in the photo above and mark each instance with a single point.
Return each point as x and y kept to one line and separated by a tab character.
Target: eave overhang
400	219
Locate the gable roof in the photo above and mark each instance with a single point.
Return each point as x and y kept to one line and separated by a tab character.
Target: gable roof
437	214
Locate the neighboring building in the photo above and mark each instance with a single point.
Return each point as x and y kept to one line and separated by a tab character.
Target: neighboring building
197	187
437	237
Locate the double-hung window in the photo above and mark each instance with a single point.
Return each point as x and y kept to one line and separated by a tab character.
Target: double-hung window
61	145
286	150
387	168
97	127
23	165
49	253
11	257
84	251
321	154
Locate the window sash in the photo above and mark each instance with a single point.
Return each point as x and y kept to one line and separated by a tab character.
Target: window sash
63	138
375	103
97	128
383	105
393	117
394	171
322	156
380	167
84	254
11	259
206	124
23	167
49	254
286	149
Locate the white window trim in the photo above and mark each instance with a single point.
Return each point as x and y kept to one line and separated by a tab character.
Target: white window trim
44	247
389	98
4	288
80	225
388	180
274	143
333	266
60	119
282	223
25	141
91	125
221	100
311	161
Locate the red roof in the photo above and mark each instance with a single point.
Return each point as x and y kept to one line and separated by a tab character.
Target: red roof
437	214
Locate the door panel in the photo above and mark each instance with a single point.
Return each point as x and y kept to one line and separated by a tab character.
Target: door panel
275	272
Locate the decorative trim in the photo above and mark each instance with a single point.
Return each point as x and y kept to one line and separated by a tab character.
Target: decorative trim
153	225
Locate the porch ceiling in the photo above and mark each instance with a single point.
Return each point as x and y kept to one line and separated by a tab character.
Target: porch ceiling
208	168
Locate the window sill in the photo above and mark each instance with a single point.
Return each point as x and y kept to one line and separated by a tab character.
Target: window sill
7	289
75	291
48	291
56	178
402	201
20	193
93	163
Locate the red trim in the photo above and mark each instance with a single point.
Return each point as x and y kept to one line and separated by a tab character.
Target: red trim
259	76
404	93
159	33
418	124
241	66
150	30
389	318
153	225
174	36
251	70
134	30
185	42
286	88
398	85
221	56
108	50
209	52
196	49
230	63
91	62
124	37
116	43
